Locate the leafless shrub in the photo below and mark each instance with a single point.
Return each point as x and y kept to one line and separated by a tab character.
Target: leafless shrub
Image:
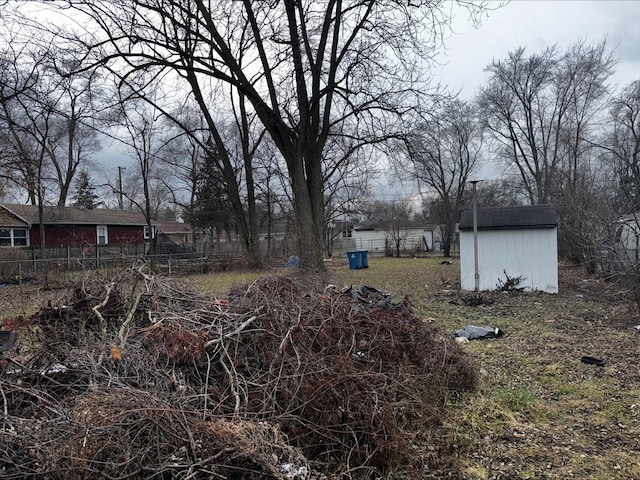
510	284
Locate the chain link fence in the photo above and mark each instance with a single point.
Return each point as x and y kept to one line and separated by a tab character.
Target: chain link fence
23	264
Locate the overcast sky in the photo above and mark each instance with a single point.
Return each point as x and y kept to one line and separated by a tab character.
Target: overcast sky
535	25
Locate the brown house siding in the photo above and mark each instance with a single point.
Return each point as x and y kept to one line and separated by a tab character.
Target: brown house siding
74	235
124	234
9	220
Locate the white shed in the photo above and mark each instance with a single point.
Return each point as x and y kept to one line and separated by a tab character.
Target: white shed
627	242
521	241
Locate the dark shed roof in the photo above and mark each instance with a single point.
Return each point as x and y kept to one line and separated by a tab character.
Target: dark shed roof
496	218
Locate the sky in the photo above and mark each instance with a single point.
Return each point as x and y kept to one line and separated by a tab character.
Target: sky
535	25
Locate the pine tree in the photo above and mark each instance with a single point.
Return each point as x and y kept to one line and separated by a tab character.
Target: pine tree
85	196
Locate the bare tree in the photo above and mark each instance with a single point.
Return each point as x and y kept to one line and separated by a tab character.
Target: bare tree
28	115
79	101
394	217
442	153
498	192
27	118
395	225
540	108
623	147
223	145
306	68
543	110
615	246
587	229
48	121
348	170
273	199
182	161
141	124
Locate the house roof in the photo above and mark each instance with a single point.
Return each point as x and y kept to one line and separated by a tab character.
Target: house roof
170	227
365	228
69	215
497	218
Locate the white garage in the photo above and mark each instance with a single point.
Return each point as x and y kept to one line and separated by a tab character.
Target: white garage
521	241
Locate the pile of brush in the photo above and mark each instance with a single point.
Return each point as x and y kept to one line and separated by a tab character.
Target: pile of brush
141	377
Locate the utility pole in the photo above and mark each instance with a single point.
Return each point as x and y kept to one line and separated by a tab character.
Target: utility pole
476	271
120	202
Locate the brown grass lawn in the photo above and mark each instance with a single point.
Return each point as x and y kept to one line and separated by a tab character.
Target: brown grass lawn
539	412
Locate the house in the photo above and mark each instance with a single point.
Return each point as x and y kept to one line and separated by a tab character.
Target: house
513	242
379	239
70	226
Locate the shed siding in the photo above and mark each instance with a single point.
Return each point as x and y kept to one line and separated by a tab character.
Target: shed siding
530	253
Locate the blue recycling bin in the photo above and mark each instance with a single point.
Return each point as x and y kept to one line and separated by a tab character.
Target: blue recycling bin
365	258
358	259
355	260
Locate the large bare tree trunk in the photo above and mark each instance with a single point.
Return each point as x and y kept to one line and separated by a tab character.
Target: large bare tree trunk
310	69
306	180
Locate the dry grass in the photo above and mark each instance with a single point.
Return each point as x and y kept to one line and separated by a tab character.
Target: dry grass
539	412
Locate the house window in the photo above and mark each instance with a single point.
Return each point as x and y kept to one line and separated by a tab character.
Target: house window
20	237
13	237
347	233
5	238
102	236
147	231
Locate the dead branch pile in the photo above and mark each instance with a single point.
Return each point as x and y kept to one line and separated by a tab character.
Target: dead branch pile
139	377
348	375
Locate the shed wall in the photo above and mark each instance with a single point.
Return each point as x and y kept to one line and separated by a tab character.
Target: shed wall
531	253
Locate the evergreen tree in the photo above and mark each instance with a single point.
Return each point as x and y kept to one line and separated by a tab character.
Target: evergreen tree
213	211
85	196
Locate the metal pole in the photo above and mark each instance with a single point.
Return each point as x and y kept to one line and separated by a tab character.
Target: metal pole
475	238
120	201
